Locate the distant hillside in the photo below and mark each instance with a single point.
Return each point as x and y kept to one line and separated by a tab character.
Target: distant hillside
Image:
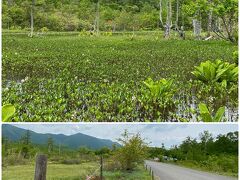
73	141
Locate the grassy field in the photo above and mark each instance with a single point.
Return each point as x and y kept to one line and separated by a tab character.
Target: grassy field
54	171
71	172
82	78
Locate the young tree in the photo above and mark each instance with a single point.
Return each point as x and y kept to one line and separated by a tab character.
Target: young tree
206	138
194	10
227	143
26	138
84	150
133	150
50	144
103	151
123	20
227	11
25	142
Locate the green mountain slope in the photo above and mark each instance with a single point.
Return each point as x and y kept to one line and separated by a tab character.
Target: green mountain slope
73	141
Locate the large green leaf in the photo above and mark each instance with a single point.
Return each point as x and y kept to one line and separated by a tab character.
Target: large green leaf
224	84
233	76
219	115
7	111
204	112
220	73
207	72
212	72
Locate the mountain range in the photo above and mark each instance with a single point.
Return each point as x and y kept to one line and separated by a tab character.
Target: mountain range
74	141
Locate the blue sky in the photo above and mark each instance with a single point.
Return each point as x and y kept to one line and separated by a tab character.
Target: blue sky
169	134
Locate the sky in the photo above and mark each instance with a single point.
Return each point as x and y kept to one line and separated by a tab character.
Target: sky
155	134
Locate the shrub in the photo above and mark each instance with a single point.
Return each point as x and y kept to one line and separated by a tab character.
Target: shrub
108	33
223	163
44	30
84	33
112	165
71	161
14	159
15	27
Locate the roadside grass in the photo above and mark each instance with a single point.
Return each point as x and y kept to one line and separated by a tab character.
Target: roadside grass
138	173
54	171
72	172
215	169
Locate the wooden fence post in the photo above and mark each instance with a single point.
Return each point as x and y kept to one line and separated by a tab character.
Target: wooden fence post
41	167
101	168
152	175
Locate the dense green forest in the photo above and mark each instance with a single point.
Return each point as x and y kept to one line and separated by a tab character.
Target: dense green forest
118	15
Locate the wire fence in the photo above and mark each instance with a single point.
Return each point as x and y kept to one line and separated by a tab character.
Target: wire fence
94	174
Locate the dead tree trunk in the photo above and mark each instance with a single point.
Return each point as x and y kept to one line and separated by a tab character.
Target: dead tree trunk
197	29
40	167
32	18
177	16
210	14
169	19
168	25
197	25
180	30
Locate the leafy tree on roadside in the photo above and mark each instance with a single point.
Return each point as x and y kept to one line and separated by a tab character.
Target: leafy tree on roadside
133	151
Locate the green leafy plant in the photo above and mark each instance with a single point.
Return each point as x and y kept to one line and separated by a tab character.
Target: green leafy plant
235	57
8	111
161	88
218	71
108	86
206	115
158	98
